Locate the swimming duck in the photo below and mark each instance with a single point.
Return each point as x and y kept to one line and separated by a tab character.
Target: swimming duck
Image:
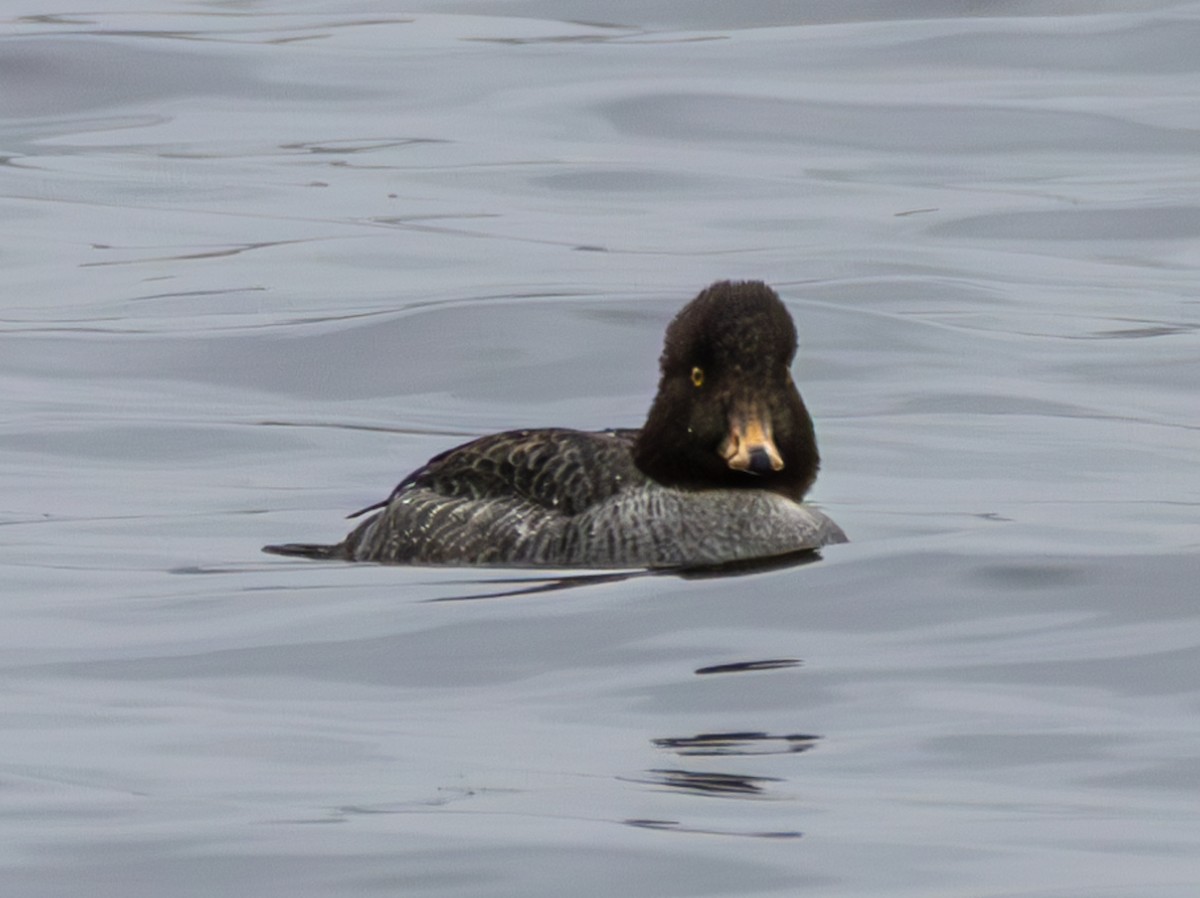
716	474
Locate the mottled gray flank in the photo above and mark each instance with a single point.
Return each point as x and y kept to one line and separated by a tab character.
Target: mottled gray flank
534	498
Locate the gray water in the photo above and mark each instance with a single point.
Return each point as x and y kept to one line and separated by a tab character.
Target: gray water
260	259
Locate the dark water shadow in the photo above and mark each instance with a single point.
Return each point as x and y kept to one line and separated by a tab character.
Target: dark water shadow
738	743
526	586
704	782
511	587
677	827
799	558
750	666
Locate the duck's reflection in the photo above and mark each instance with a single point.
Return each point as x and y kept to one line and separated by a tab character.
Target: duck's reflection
738	743
534	584
748	666
676	826
704	782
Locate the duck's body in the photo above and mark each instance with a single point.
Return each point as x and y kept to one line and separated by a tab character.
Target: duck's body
716	474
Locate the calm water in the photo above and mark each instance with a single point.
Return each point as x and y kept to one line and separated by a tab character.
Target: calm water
262	258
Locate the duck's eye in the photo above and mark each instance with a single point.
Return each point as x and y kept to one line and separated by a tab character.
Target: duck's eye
697	376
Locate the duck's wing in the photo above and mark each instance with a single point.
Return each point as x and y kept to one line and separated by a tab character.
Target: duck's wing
562	470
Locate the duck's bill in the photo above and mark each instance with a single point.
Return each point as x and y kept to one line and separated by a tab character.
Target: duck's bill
750	445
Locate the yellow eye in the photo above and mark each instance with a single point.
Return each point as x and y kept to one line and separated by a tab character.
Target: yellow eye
697	376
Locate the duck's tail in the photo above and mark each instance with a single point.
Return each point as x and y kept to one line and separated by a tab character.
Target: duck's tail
308	550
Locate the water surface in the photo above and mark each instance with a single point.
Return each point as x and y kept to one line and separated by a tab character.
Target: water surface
263	259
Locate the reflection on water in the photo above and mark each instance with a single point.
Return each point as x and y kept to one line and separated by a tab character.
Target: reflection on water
531	585
749	743
676	826
747	666
527	586
700	782
260	259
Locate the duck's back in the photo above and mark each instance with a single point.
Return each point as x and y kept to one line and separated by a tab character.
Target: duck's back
508	498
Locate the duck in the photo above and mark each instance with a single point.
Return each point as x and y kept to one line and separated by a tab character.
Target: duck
716	475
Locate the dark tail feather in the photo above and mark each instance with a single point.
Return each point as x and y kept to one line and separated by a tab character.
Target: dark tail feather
381	504
307	550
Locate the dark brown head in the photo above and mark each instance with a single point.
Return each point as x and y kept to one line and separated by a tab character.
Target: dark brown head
727	414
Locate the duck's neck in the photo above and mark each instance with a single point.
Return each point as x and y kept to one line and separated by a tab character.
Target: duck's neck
667	452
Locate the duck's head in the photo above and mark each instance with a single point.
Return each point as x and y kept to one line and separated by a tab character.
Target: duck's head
727	414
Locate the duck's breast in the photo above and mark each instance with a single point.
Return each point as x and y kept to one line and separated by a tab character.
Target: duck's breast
654	526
